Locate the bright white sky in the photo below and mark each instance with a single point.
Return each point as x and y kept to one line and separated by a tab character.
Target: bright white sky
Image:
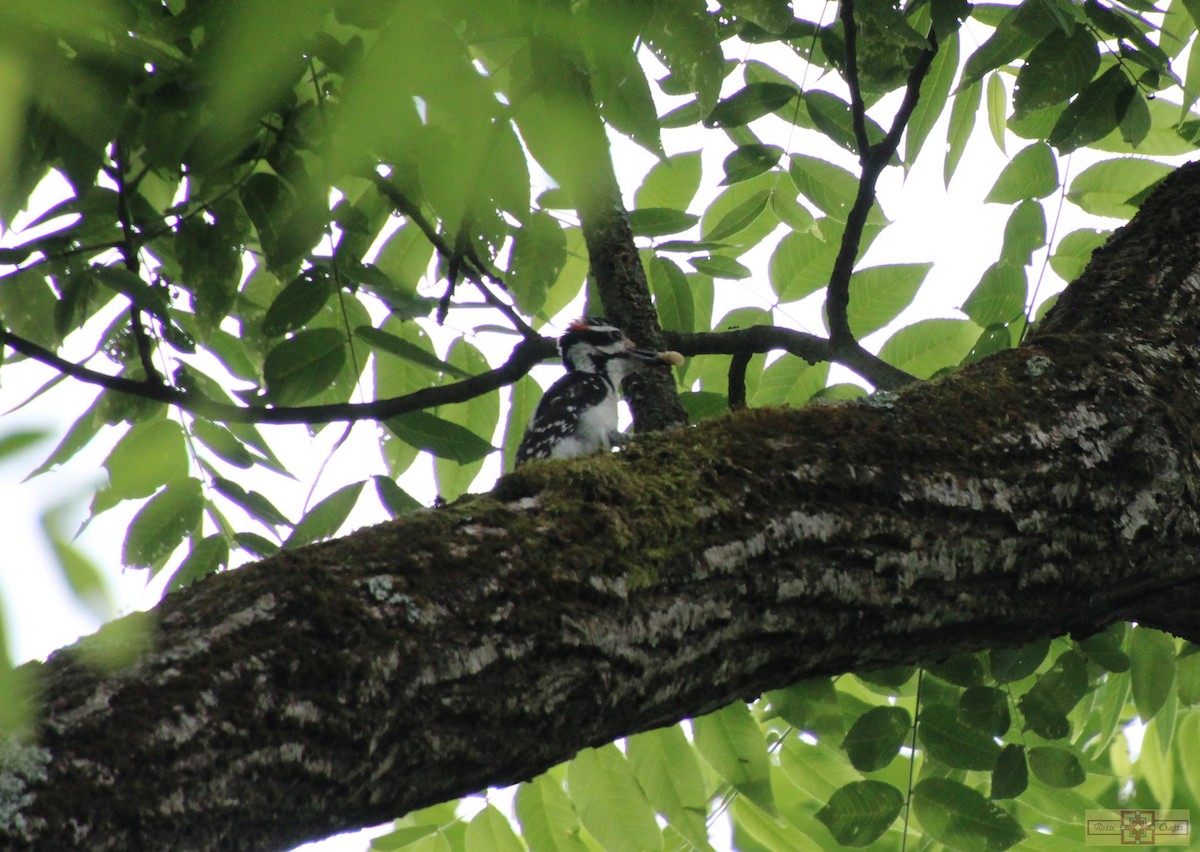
954	229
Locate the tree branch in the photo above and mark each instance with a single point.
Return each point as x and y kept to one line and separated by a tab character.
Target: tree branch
858	110
524	357
342	684
874	159
478	271
129	254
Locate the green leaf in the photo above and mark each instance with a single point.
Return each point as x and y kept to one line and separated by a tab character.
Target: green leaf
733	744
548	821
84	577
658	221
479	416
1112	187
222	442
749	161
689	44
1152	655
1136	123
145	297
17	441
1016	33
1191	81
405	257
1095	113
672	295
297	303
303	366
958	132
790	381
666	766
1012	664
610	802
774	16
810	705
323	520
27	307
999	297
621	88
997	106
395	499
256	545
720	266
1187	677
1073	252
985	708
567	285
490	831
1054	695
1056	767
1057	68
962	819
927	346
953	743
833	117
1010	778
401	348
539	251
440	437
874	739
255	504
671	183
860	812
161	525
879	293
801	264
147	457
1024	233
830	187
747	104
733	220
208	556
935	90
1033	173
963	669
1104	648
792	213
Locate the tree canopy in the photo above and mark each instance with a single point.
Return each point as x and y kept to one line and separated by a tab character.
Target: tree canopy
332	211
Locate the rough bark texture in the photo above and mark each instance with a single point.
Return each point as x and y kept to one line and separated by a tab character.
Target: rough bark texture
1044	490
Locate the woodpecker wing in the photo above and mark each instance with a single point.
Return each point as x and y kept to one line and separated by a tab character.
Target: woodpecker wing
560	427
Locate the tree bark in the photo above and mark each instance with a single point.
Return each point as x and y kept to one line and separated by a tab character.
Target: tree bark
1045	490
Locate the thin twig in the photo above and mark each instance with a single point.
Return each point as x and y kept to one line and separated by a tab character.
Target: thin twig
525	355
837	298
476	270
737	380
858	110
129	254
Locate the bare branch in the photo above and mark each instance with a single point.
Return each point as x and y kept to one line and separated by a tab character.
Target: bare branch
737	380
524	357
837	299
858	110
466	260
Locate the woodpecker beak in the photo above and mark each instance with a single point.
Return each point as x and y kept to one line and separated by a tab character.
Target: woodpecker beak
649	356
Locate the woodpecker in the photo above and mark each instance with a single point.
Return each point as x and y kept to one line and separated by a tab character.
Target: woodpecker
578	414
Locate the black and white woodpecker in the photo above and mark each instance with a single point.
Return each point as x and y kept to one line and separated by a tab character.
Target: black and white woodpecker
578	414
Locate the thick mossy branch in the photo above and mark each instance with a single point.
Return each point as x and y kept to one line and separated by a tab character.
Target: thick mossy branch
1044	490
